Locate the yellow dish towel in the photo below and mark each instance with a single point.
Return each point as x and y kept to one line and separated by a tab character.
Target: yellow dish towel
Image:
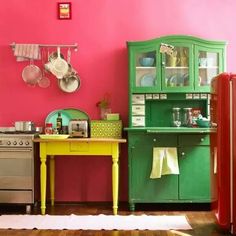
165	162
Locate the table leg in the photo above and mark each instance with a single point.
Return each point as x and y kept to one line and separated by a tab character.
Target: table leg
52	179
115	177
43	177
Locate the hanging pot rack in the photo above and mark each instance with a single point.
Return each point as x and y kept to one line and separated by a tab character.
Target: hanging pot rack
74	46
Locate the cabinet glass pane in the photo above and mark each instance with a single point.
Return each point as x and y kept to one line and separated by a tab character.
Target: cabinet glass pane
208	63
177	68
145	69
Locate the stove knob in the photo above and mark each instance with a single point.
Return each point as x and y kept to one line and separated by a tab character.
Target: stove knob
8	143
21	143
14	143
27	143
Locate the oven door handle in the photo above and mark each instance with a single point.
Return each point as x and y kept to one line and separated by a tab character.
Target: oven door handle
16	149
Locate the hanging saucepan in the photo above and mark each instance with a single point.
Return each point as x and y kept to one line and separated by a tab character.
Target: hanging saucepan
70	69
51	58
31	74
59	66
70	83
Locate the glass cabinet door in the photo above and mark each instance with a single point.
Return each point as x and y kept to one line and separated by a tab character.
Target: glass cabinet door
176	69
209	64
145	78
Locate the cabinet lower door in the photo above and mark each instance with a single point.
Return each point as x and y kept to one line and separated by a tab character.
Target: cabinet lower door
194	178
141	187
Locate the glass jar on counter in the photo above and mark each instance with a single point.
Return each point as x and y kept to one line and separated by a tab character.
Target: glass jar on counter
176	118
48	128
187	117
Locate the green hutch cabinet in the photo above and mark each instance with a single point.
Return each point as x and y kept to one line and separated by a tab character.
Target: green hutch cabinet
165	73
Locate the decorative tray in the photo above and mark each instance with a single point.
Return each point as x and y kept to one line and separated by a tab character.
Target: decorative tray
67	114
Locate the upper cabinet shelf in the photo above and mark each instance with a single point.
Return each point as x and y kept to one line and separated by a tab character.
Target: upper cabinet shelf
190	66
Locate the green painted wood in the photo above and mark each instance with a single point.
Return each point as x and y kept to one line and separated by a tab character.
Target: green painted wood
172	130
194	178
212	71
193	183
159	112
193	44
141	187
177	38
194	140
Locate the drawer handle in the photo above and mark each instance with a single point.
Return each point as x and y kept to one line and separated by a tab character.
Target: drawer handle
182	153
154	140
202	139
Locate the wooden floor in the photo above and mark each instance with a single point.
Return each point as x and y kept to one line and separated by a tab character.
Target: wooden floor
200	217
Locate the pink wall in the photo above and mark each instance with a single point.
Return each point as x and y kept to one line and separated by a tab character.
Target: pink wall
101	29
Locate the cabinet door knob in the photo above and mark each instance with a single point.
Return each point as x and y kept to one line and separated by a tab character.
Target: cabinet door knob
202	139
154	140
182	153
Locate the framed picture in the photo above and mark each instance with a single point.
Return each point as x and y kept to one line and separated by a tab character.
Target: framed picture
64	10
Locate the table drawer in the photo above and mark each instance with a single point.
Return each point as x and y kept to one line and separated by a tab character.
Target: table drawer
199	139
79	147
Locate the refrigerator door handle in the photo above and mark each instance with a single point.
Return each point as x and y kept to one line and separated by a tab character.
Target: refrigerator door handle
231	151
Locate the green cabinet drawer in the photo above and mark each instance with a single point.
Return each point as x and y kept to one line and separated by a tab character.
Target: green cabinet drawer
152	140
197	139
162	140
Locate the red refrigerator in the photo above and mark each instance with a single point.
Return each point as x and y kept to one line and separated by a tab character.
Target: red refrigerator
223	149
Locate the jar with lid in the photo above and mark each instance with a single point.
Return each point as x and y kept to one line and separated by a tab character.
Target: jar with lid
187	117
176	118
48	128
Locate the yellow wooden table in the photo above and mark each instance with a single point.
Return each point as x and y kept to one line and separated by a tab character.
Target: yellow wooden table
77	146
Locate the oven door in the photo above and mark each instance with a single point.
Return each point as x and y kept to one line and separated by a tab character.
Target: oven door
16	175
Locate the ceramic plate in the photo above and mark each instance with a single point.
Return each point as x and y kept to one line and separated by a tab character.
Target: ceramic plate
172	81
186	79
176	80
147	81
54	136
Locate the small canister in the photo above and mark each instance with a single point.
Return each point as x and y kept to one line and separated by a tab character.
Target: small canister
188	117
176	118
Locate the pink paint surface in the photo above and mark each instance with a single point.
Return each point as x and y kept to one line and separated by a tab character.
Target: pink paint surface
101	29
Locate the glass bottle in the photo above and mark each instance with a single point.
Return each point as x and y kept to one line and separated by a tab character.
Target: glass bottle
59	123
176	119
188	118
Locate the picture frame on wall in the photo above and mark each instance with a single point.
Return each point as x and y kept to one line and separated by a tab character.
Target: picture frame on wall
64	10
